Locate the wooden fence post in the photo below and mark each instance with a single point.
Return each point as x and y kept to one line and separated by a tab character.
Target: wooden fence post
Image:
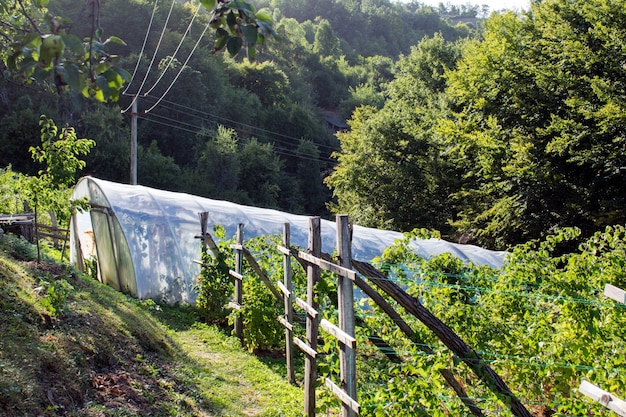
345	294
288	298
313	276
239	282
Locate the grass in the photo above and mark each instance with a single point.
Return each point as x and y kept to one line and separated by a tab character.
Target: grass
71	346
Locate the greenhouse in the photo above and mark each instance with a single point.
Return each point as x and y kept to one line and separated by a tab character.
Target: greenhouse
145	240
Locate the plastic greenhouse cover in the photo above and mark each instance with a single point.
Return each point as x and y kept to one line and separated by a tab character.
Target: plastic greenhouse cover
160	228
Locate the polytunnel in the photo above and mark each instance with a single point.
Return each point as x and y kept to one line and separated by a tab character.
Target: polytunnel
145	240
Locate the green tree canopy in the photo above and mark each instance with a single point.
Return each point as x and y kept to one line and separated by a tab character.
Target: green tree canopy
540	121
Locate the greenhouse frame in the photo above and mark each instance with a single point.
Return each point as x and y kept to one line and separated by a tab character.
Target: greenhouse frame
145	239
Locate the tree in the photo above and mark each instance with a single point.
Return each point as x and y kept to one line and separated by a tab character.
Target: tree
158	171
326	42
109	158
218	166
540	122
260	175
59	154
392	171
39	47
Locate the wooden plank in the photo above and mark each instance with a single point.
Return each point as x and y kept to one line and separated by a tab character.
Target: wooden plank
305	348
342	336
407	330
52	235
615	293
328	266
283	250
238	322
46	227
235	274
284	289
343	396
236	246
257	268
310	310
234	305
285	323
603	397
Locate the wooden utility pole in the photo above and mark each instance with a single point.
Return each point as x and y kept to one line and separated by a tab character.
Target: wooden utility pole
133	141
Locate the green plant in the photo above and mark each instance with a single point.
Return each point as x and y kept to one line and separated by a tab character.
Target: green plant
18	247
214	284
54	292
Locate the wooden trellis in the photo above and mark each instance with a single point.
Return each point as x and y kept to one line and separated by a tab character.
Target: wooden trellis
313	259
344	332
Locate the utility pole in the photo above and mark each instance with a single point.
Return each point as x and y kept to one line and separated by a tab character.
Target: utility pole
133	141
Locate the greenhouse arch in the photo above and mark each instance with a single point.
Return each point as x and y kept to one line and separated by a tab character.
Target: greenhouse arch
145	241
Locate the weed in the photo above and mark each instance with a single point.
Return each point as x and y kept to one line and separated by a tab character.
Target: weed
54	292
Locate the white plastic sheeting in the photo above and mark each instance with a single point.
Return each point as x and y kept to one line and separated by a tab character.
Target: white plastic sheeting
145	239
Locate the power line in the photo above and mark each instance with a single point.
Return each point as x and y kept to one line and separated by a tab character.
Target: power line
191	128
175	52
181	69
145	40
215	116
156	50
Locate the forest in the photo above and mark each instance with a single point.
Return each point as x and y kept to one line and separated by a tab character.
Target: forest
492	127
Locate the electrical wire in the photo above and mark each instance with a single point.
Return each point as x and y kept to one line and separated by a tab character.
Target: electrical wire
145	40
192	128
181	69
175	52
156	50
186	108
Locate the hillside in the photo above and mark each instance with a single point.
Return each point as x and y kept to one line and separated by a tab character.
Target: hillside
71	346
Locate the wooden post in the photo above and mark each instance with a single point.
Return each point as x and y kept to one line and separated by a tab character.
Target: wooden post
288	299
345	294
55	227
313	276
238	283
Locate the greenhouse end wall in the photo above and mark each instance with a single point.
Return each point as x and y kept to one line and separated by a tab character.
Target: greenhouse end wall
146	239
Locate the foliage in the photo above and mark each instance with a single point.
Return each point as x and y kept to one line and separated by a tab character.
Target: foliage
391	172
214	284
54	291
261	330
60	154
535	100
539	323
17	248
503	138
43	50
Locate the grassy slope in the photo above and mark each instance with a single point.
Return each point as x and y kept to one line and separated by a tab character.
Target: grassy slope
71	346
